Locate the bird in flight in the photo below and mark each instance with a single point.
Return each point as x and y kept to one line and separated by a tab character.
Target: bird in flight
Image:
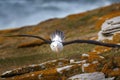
57	41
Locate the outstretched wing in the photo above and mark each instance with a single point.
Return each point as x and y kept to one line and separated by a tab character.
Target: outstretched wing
57	36
26	35
92	42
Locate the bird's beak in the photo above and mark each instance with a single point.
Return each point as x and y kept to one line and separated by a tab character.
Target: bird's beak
57	50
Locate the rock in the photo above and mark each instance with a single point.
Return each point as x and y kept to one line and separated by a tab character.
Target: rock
116	38
34	67
87	67
90	76
38	75
112	68
109	28
93	56
49	74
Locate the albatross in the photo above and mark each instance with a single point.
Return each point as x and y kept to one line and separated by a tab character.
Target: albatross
57	41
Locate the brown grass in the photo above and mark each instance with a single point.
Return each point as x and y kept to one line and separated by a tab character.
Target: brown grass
106	17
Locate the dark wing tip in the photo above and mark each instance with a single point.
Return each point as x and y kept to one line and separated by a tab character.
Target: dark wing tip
92	42
26	35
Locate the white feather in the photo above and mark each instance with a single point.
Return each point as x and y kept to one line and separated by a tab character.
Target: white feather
57	38
56	46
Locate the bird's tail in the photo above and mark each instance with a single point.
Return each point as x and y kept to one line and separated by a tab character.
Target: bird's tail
57	36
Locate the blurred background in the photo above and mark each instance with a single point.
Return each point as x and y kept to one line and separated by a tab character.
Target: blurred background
17	13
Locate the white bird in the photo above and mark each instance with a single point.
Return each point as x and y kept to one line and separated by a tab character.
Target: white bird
57	41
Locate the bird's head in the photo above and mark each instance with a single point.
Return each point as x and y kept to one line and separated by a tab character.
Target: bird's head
56	46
